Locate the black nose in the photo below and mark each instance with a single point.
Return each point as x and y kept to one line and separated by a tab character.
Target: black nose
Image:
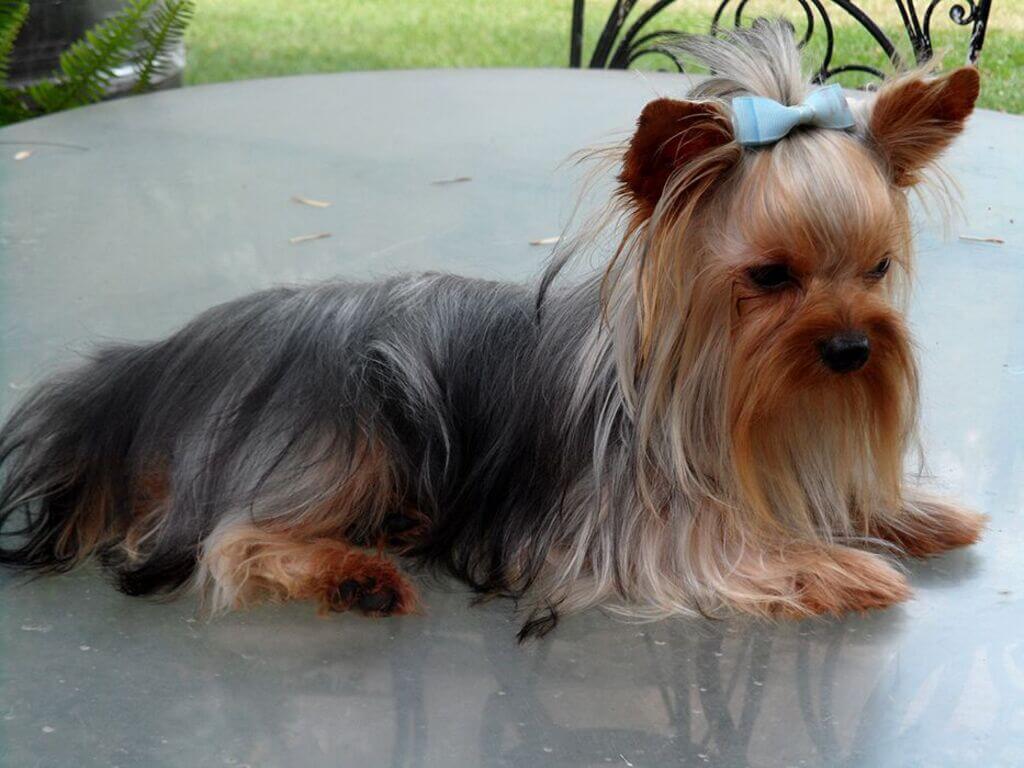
846	351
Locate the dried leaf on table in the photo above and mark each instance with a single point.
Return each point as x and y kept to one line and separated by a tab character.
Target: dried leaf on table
310	202
306	238
975	239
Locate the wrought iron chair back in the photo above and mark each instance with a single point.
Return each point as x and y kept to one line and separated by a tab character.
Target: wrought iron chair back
619	45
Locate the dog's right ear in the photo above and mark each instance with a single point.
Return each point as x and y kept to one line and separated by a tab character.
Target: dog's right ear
669	134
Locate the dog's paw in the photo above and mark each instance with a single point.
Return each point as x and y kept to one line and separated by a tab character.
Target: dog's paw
930	527
847	581
372	586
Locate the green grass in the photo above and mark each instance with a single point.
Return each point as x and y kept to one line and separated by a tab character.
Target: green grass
237	39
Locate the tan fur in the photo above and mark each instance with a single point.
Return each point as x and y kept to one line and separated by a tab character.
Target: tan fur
248	565
927	525
359	492
753	461
90	527
148	513
302	554
791	579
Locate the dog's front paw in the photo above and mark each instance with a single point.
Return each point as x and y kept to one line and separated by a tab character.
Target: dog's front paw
844	581
928	526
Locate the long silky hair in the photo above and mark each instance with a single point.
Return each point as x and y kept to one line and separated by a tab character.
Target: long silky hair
643	436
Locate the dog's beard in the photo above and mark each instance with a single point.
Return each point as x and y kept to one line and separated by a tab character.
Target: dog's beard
818	454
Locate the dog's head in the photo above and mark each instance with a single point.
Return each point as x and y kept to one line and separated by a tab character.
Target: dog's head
776	271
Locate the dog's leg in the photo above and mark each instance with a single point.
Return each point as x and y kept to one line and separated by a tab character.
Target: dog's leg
836	580
927	525
796	580
243	564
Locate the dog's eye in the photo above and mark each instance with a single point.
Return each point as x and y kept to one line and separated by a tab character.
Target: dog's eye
770	276
880	269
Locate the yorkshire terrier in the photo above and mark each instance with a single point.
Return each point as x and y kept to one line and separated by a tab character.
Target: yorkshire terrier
715	420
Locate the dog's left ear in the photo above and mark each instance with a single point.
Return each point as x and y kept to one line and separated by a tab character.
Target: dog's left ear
914	119
668	134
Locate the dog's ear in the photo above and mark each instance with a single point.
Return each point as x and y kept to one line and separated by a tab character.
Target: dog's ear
668	134
915	118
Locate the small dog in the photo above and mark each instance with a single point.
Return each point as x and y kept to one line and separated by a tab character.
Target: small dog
717	419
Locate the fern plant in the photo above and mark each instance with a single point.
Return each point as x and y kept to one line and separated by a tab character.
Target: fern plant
12	18
166	27
143	35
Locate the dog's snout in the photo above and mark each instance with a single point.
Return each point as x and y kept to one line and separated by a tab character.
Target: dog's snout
845	352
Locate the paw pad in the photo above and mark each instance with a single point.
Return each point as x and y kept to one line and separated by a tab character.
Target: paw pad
367	594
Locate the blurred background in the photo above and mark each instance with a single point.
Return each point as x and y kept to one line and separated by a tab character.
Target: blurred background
62	53
232	39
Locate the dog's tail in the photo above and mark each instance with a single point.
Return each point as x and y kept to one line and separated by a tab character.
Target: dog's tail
63	452
65	460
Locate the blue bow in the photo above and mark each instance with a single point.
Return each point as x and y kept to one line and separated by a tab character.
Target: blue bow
758	121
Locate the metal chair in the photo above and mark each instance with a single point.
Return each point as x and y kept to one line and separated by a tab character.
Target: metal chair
619	46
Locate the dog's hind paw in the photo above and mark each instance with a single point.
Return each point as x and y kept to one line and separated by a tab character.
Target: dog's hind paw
371	585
